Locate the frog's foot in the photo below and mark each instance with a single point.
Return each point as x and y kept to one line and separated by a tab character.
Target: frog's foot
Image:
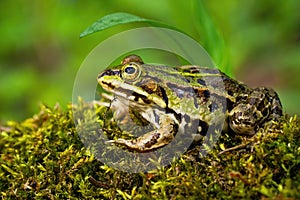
151	140
145	143
132	145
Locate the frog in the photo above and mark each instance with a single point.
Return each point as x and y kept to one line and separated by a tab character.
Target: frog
168	100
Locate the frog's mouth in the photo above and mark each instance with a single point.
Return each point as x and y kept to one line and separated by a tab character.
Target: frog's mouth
118	87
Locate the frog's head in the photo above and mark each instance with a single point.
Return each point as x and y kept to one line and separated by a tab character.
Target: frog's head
129	81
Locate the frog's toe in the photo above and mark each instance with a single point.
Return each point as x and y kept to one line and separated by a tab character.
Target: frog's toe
121	141
131	145
110	141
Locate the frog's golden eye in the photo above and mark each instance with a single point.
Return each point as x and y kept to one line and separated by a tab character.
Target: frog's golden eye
131	71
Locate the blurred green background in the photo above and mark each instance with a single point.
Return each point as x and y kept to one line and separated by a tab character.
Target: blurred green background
41	51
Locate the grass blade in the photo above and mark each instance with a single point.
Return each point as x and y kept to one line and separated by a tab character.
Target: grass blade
213	42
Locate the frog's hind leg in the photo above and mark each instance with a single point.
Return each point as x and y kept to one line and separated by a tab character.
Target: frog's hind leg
262	105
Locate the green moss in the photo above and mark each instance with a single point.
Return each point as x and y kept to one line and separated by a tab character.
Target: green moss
44	158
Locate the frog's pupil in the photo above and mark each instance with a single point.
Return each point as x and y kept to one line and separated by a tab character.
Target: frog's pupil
130	70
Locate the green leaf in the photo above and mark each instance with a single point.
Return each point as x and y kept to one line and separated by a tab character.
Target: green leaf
114	19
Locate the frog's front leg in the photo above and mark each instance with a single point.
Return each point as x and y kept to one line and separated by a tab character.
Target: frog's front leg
261	106
153	139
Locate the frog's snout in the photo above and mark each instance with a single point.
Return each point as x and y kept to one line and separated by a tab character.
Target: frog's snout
108	73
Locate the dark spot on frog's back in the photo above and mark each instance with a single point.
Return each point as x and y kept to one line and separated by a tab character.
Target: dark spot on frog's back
199	70
210	71
178	116
204	127
182	91
164	95
191	70
213	107
201	81
204	94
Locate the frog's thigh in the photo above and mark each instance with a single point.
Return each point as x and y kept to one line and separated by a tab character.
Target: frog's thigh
153	139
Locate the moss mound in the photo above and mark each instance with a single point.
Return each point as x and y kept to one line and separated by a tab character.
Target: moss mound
44	158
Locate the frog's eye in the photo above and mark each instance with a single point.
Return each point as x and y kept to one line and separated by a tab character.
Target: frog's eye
130	71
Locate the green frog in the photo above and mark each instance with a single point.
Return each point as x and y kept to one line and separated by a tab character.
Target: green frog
161	101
